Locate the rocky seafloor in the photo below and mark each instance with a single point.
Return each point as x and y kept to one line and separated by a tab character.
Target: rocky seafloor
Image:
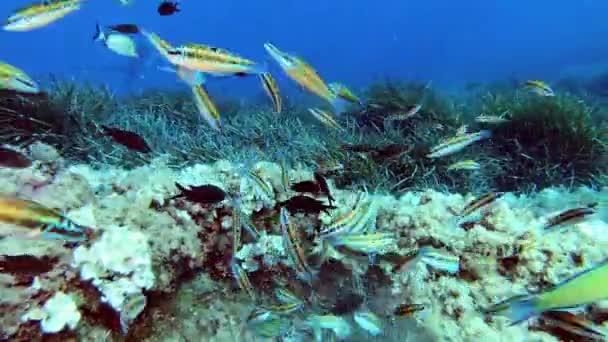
174	256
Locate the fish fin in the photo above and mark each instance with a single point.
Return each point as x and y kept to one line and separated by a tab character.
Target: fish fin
99	35
521	310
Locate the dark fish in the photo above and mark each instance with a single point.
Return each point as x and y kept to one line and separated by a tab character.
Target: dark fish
322	183
575	325
168	8
305	204
571	216
480	202
26	264
13	159
125	28
203	194
306	186
129	139
407	310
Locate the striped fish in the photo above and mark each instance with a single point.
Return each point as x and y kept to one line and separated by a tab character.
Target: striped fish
369	243
159	44
293	246
466	165
284	174
457	143
325	118
263	189
205	106
35	220
237	226
344	92
40	14
283	295
355	220
481	203
211	60
570	216
408	310
243	280
540	88
439	260
407	114
12	78
272	90
575	324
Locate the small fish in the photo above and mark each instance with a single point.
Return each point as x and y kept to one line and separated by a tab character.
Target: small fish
285	296
34	220
325	118
263	189
570	216
237	226
272	90
466	165
310	187
168	8
293	246
583	288
286	308
284	173
206	107
413	110
369	322
355	221
131	308
457	143
128	139
480	203
15	79
344	92
202	194
12	159
40	14
125	28
126	2
337	324
243	280
117	42
503	305
305	76
260	314
439	260
323	186
408	310
575	324
540	88
491	119
305	204
369	243
207	59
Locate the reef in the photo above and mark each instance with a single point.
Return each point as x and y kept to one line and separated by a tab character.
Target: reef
159	269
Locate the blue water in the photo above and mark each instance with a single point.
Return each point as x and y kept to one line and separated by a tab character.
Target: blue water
448	42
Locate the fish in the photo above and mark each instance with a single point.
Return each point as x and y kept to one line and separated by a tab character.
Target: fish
208	59
305	204
262	188
117	42
308	186
337	324
125	28
260	314
12	78
408	309
570	216
285	296
583	288
480	203
272	90
466	165
168	8
369	243
27	264
130	140
40	14
10	158
355	221
575	324
305	75
206	107
162	46
283	309
131	308
202	194
439	260
35	220
369	322
243	280
539	88
323	186
284	173
126	2
325	118
344	92
457	143
293	246
409	112
491	119
237	226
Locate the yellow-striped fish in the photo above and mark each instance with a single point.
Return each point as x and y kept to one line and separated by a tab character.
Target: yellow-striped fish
467	165
481	203
272	90
206	108
162	46
293	246
439	260
353	221
369	243
325	118
237	225
539	88
40	14
305	75
211	60
18	216
457	143
243	280
583	288
344	92
12	78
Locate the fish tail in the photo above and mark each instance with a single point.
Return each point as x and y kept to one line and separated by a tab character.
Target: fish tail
485	134
521	310
99	35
